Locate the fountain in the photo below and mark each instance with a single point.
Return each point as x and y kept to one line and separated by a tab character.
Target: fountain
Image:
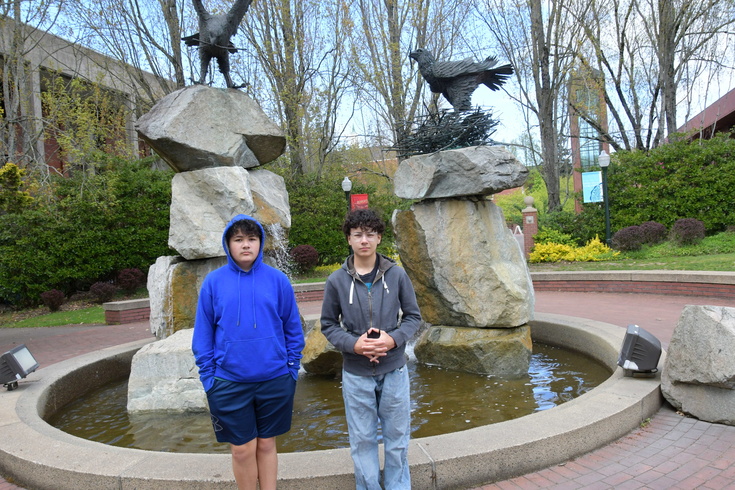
461	459
443	401
453	460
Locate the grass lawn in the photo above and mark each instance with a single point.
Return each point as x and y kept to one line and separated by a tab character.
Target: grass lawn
73	312
41	317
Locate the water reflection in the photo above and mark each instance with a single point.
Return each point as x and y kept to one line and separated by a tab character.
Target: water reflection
442	401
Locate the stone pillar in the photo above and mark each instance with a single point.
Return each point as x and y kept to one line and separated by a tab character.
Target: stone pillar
530	224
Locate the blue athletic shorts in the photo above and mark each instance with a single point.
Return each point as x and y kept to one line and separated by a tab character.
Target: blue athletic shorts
243	411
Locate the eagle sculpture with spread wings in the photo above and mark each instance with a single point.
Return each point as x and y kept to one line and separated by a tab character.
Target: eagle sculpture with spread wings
214	36
457	80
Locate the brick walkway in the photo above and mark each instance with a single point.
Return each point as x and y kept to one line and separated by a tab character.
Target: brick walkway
672	451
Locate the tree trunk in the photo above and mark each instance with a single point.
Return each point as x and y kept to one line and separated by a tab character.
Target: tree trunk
545	98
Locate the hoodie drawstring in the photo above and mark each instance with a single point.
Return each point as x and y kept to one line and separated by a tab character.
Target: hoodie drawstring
352	289
239	297
255	320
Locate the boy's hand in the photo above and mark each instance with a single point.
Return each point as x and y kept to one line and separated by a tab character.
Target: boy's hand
374	349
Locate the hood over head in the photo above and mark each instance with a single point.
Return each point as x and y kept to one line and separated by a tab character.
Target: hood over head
229	225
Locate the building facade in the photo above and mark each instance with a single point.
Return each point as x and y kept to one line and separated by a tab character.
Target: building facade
29	67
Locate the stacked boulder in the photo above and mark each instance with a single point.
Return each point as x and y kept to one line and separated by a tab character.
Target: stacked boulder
214	139
471	279
699	372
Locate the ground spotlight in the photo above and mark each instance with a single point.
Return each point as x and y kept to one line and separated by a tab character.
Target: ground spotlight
640	353
15	364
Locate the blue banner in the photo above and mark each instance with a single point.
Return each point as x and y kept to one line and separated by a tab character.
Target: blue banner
592	186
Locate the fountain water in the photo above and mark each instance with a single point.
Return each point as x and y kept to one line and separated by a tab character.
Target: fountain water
443	401
278	249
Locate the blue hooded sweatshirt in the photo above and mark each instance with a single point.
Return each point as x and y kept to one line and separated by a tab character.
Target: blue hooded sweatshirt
248	327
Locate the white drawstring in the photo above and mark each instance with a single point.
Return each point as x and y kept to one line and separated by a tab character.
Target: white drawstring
352	290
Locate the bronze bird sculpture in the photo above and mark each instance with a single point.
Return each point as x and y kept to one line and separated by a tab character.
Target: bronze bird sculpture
457	80
213	38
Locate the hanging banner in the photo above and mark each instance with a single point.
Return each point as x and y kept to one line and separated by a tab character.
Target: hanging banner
592	186
358	201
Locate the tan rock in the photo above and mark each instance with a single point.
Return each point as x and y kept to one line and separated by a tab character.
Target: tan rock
465	265
319	356
173	288
492	351
204	201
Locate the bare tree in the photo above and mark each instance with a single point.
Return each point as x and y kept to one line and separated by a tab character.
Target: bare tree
540	40
141	35
300	48
652	53
21	129
386	32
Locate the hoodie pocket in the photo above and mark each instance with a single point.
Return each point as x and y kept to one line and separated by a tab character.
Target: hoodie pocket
252	359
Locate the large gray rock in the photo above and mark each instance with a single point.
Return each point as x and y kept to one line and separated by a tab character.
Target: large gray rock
465	265
204	201
173	290
164	376
473	171
200	127
699	373
492	351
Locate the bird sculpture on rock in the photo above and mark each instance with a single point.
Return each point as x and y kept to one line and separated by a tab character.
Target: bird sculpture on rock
214	36
457	80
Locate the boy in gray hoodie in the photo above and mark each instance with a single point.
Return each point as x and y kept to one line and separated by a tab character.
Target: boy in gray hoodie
369	313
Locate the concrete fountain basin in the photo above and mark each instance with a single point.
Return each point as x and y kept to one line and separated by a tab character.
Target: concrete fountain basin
39	456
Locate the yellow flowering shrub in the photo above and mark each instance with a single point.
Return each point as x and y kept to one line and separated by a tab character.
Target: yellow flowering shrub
593	251
550	252
325	270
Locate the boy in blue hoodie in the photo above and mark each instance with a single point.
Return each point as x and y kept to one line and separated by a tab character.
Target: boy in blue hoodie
247	344
369	313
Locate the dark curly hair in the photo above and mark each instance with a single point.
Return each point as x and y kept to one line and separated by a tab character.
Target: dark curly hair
366	219
247	227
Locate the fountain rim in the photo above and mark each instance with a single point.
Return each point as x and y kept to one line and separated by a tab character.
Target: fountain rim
455	460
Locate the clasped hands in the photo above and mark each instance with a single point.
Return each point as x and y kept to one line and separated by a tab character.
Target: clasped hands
374	349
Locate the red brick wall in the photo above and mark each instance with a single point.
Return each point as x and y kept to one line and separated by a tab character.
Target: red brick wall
308	296
640	287
127	316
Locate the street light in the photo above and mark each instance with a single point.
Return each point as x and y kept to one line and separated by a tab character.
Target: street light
347	187
604	161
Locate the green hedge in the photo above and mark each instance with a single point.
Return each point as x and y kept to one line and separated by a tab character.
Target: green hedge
674	181
90	227
318	208
678	180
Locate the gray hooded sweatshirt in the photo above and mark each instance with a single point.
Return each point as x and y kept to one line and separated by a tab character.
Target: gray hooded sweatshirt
349	310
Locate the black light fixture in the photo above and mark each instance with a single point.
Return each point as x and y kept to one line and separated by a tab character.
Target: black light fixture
15	364
640	353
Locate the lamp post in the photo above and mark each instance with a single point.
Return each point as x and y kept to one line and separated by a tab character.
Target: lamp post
347	187
604	161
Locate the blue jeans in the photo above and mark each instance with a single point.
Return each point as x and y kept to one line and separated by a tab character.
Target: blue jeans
387	398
